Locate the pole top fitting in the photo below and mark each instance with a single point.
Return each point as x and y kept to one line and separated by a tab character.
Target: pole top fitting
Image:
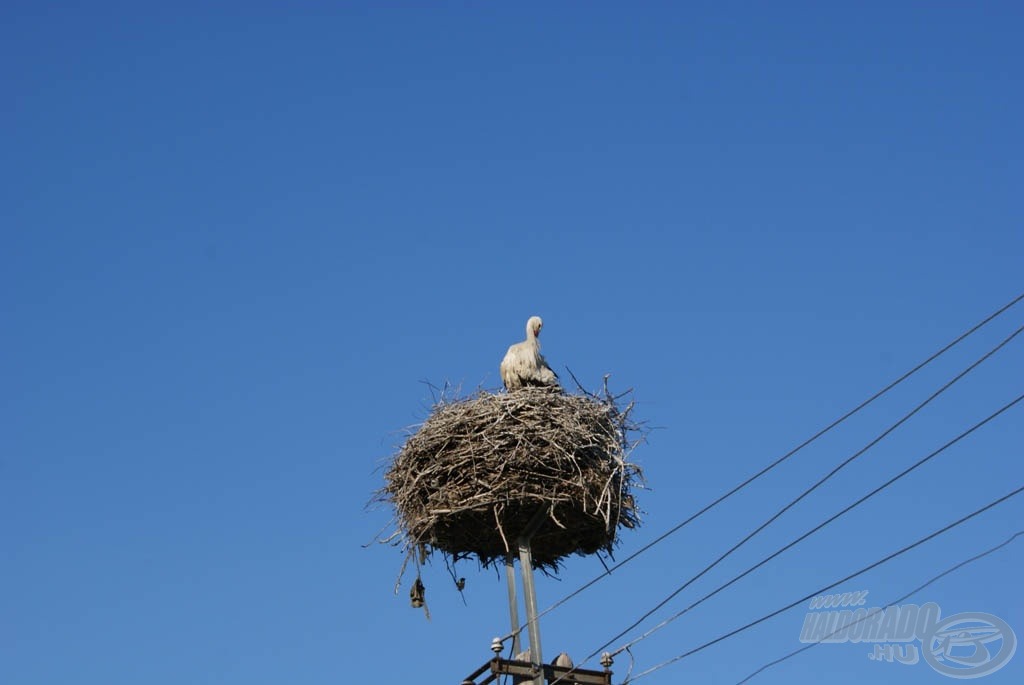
496	645
606	659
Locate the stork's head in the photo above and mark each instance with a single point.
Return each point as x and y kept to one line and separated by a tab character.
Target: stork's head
533	326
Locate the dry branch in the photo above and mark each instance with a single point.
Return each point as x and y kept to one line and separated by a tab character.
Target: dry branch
478	469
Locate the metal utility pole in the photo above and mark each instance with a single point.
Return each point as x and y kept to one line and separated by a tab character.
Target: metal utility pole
513	601
533	626
529	595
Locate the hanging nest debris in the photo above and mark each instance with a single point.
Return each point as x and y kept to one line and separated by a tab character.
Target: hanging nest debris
481	470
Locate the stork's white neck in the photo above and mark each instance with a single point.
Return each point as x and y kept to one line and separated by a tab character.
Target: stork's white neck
533	325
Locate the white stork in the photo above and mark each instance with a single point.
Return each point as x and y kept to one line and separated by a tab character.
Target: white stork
523	364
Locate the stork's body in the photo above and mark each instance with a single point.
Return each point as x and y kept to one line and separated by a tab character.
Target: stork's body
523	365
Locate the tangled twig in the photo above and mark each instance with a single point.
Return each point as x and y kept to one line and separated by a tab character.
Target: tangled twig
479	468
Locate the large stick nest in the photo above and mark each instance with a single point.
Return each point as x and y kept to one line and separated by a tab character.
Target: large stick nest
480	470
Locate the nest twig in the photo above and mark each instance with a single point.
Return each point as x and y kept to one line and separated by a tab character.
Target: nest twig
468	482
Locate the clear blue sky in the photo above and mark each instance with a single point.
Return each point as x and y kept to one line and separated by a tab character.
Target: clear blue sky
236	239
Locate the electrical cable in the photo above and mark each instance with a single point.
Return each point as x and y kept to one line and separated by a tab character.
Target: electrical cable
821	525
894	602
809	490
822	590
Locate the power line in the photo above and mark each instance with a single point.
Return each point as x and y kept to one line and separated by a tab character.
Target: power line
608	571
821	525
853	575
809	490
896	601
